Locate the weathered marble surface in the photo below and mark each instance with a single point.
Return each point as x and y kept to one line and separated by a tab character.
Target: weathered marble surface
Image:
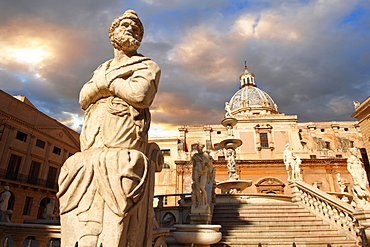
292	164
361	193
106	189
4	203
49	210
203	171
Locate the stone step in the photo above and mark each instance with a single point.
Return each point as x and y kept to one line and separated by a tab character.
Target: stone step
254	243
274	225
244	206
304	226
262	214
278	232
249	220
275	210
285	238
257	211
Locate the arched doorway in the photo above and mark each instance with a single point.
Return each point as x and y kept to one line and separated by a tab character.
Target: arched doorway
43	204
270	186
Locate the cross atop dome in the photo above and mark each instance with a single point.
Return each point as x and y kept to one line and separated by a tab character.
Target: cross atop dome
247	78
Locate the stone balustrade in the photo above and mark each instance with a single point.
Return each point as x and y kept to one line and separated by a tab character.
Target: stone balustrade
338	213
167	216
20	232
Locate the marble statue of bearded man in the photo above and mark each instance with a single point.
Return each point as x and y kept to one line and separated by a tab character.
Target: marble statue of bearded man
103	190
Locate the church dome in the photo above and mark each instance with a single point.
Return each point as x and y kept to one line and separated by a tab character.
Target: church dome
250	100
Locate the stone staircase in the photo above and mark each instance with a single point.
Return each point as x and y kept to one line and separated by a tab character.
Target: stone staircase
277	223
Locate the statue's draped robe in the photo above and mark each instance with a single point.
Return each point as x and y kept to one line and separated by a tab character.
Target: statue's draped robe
103	188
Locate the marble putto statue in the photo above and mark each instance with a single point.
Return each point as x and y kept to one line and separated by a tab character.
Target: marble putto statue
104	189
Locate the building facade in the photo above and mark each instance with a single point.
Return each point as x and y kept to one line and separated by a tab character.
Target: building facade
362	113
264	132
33	147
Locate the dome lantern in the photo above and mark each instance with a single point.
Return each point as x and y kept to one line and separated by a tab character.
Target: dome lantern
247	78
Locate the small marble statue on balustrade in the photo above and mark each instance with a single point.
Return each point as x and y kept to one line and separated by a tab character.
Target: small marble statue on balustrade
202	161
361	193
296	171
289	161
105	191
4	204
341	184
49	210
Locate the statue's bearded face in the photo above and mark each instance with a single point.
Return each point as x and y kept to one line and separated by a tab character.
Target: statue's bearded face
126	36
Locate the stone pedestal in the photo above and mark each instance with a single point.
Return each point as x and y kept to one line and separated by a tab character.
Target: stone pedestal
363	218
200	218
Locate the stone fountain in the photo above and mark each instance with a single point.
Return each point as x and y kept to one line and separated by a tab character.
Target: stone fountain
233	185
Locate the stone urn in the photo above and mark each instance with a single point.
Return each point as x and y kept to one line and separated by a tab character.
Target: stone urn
197	235
234	186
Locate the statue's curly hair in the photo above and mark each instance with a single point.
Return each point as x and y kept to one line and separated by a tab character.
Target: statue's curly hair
129	14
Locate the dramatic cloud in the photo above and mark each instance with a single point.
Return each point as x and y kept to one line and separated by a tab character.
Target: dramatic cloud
312	57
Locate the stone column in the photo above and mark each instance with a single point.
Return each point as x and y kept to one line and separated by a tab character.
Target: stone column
8	129
335	126
44	167
311	130
208	134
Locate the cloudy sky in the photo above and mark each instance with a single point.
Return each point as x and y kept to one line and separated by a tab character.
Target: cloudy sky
311	56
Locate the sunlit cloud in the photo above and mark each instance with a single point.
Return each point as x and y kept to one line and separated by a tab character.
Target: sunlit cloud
163	130
312	57
31	56
72	120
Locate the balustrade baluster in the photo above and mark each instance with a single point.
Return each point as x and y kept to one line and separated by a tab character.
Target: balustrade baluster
2	240
336	216
18	240
42	241
330	211
320	207
324	208
311	202
315	203
6	242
